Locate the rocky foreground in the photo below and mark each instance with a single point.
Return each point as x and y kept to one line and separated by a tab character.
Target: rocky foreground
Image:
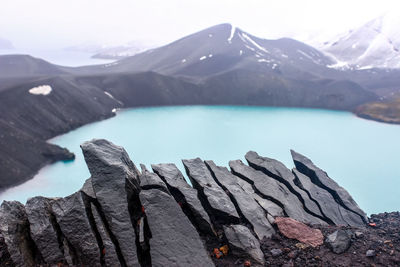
256	214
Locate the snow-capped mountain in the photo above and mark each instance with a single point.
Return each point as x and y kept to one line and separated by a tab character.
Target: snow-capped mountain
224	48
376	44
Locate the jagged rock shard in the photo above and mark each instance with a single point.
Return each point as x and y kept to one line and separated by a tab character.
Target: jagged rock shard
220	203
116	185
150	180
183	192
242	242
87	188
109	252
268	187
175	241
299	231
270	207
248	206
72	218
43	233
278	170
14	227
329	207
321	178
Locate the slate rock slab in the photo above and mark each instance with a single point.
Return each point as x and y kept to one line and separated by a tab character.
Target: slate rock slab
14	227
72	218
115	181
321	178
43	232
202	180
243	244
174	240
246	203
184	193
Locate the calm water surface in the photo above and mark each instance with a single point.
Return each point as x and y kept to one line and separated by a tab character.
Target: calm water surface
361	155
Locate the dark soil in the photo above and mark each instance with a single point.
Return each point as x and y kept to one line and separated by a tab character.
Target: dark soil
384	239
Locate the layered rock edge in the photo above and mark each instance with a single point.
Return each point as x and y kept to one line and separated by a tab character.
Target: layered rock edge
126	217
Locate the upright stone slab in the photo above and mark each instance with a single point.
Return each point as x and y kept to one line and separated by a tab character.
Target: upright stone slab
72	218
244	244
271	188
14	227
330	208
174	241
321	178
248	206
43	232
115	183
278	170
220	203
183	192
109	252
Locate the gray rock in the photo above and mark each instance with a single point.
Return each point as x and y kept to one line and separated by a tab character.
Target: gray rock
248	206
43	232
339	241
87	188
202	180
14	227
109	252
278	170
174	240
370	253
185	194
321	178
276	252
243	244
270	207
71	216
268	187
329	207
115	181
150	180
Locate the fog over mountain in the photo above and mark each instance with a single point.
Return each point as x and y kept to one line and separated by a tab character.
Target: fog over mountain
5	44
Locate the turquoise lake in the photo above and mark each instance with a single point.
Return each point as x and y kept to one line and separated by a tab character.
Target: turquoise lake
362	156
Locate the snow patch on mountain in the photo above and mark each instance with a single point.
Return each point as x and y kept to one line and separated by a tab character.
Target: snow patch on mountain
41	90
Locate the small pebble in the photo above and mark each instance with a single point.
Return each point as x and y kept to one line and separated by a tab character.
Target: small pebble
276	252
370	253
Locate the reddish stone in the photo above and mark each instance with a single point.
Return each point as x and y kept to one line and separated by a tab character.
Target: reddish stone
299	231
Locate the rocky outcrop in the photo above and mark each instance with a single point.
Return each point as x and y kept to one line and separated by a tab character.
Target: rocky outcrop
321	178
212	195
126	217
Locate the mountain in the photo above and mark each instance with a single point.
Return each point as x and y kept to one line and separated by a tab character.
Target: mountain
5	44
13	66
223	48
375	44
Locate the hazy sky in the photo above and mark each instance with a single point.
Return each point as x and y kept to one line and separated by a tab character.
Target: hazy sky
59	23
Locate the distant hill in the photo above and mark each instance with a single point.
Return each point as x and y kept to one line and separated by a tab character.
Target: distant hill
25	65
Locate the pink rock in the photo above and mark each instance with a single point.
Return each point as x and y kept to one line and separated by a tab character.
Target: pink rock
299	231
